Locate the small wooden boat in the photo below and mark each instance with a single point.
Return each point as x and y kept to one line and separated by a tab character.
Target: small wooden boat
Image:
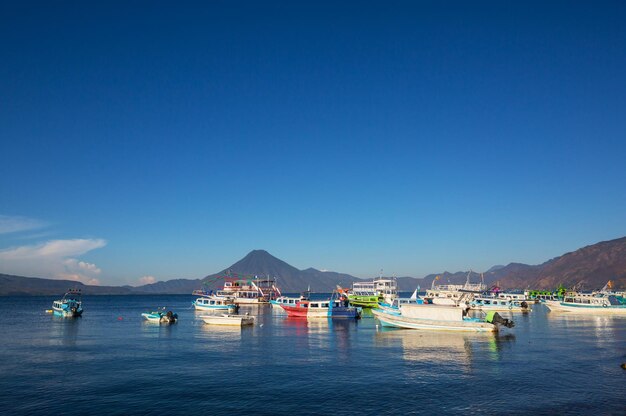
226	319
161	317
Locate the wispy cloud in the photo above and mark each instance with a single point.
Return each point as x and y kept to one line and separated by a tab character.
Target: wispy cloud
55	258
146	280
14	224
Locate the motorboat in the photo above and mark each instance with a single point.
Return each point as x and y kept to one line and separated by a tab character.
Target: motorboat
161	317
227	319
601	303
330	308
70	306
215	303
440	318
487	303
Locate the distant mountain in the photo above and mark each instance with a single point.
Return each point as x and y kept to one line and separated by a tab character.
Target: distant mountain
170	287
591	267
289	279
494	268
18	285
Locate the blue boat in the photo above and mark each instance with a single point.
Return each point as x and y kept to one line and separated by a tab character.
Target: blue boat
161	317
70	306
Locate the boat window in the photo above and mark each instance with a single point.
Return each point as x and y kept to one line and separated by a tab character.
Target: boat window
324	305
315	305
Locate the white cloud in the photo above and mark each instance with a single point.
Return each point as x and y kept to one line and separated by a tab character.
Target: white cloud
146	280
55	258
13	224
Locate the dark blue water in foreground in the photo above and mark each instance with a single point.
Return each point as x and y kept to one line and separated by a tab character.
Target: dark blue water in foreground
111	362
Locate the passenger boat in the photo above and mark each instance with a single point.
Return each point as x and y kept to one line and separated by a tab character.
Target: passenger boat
386	288
330	308
249	291
369	294
362	294
227	319
486	303
600	303
520	297
286	300
608	290
214	303
452	295
440	318
70	306
161	317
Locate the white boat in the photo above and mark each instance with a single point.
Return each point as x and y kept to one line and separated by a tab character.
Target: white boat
249	291
160	317
369	294
215	303
452	295
226	319
487	303
70	306
386	288
521	297
440	318
589	305
395	306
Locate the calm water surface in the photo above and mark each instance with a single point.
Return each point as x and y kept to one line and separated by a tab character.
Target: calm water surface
111	362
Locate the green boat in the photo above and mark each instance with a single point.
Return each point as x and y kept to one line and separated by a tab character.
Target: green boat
363	295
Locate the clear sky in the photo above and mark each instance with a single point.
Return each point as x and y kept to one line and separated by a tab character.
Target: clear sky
156	140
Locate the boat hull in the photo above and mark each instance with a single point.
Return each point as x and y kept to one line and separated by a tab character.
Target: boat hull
67	313
160	318
363	301
399	321
312	313
229	320
558	306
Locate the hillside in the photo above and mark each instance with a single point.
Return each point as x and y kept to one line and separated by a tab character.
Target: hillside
18	285
589	267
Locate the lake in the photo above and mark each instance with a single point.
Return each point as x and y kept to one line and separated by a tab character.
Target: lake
111	362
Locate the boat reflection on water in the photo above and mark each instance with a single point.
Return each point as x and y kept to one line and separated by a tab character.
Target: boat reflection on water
320	334
605	328
220	338
64	331
367	313
428	346
437	347
156	330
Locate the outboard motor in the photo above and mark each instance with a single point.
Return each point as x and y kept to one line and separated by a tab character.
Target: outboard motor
169	317
496	319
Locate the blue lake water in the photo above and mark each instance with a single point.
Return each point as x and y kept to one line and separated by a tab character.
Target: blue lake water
111	362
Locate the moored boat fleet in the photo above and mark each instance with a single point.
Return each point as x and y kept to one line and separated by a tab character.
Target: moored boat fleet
468	307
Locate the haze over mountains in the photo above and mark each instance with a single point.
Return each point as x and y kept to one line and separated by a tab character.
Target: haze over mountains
590	267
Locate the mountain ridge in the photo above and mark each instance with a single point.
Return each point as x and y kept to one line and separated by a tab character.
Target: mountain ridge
589	267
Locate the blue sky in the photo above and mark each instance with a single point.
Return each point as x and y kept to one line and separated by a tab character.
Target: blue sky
157	141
